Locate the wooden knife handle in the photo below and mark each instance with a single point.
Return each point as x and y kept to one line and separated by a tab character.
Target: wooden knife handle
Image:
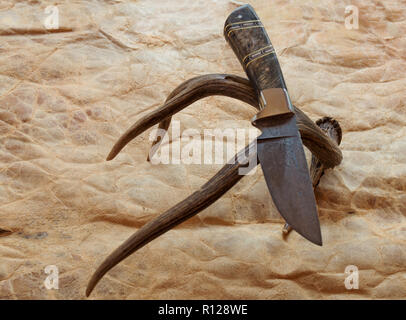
247	37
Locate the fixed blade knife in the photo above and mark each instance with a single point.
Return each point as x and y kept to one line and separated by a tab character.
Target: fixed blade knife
279	147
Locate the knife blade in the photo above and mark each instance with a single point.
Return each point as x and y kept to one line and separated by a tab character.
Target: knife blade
279	147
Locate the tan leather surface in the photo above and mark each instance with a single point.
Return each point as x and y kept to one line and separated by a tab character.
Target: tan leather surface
66	97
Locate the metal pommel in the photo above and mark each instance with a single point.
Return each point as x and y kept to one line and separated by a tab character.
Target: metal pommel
274	102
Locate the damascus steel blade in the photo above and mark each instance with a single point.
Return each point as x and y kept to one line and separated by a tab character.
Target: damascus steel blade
283	162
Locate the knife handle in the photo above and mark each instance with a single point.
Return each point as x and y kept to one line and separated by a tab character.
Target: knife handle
247	37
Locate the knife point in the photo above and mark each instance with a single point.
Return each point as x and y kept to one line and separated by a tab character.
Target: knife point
317	240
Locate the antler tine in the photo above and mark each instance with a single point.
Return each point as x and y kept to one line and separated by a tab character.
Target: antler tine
323	147
328	153
333	130
184	95
219	184
204	80
165	123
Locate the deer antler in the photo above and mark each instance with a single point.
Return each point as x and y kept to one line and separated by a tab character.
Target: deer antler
326	154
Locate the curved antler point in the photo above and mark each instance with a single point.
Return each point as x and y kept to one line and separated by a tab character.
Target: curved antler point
239	88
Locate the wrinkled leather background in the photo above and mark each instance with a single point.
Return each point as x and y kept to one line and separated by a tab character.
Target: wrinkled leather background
66	96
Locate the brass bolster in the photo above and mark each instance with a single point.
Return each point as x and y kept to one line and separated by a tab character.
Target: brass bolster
273	102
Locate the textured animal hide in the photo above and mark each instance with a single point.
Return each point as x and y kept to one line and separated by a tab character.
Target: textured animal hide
67	94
